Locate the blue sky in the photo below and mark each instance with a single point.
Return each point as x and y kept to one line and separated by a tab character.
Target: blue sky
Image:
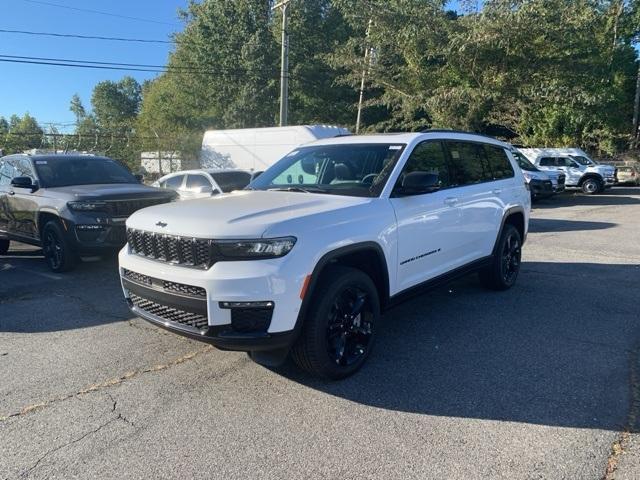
45	91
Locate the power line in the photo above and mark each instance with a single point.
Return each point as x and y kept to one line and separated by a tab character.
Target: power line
99	12
117	64
87	37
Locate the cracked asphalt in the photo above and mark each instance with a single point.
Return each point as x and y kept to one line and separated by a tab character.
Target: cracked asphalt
537	382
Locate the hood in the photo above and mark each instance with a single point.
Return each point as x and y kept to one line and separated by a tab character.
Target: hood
112	191
601	169
537	175
242	214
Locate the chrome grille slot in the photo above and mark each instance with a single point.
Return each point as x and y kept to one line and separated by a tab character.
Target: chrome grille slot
183	251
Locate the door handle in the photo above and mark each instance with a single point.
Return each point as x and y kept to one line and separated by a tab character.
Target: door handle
497	191
451	201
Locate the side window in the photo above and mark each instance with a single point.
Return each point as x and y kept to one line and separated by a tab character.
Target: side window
499	163
194	182
547	162
428	157
566	162
468	164
24	169
173	183
7	172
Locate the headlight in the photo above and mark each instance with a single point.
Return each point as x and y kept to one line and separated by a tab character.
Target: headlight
87	206
255	249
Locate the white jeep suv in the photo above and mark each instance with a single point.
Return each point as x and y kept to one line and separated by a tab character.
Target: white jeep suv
338	230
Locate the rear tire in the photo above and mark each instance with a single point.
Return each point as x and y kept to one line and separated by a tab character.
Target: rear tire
503	271
591	186
57	251
4	246
338	330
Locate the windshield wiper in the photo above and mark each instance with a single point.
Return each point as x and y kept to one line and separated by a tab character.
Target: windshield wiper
299	189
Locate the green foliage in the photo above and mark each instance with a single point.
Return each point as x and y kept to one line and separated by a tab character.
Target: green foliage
20	134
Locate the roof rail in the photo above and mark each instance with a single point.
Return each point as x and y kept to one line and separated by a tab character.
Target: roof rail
446	130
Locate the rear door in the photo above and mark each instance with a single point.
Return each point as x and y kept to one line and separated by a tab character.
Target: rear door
7	172
429	243
479	194
23	204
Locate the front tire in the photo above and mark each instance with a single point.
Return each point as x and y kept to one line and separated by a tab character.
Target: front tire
4	246
57	250
591	186
338	331
503	271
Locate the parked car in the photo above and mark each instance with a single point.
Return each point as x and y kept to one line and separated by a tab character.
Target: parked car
629	175
190	184
324	240
542	184
581	172
70	205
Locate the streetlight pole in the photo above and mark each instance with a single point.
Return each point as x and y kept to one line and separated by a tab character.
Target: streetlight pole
367	56
284	62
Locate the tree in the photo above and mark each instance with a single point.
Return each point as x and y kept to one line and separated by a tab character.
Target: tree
77	108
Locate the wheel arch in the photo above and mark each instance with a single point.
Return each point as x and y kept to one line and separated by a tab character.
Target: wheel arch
589	175
365	256
513	216
44	216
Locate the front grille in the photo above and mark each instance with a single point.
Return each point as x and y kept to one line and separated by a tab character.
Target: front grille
170	314
117	235
167	286
185	251
251	320
124	208
183	289
137	277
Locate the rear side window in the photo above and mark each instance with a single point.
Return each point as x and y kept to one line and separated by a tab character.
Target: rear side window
196	181
499	163
428	157
468	164
547	162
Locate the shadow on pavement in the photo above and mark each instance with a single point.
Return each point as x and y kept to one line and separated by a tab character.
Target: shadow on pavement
545	225
614	196
554	350
33	299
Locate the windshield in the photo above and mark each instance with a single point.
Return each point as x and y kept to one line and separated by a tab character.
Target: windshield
524	163
359	170
230	181
65	171
583	160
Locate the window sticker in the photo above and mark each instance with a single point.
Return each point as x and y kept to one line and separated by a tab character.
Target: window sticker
395	147
41	162
455	154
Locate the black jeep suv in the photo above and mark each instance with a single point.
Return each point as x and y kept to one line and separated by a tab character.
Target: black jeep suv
70	205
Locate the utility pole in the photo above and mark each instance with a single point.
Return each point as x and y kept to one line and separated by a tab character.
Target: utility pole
367	62
636	111
284	62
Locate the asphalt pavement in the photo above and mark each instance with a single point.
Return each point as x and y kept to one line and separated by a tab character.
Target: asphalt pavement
541	381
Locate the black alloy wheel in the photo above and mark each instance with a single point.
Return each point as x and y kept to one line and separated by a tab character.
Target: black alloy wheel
349	330
511	257
56	248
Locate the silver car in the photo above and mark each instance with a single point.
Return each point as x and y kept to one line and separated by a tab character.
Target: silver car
191	184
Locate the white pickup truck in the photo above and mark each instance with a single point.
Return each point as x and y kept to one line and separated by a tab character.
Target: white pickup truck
581	171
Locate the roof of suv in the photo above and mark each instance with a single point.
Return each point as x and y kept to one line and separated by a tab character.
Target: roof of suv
408	138
48	156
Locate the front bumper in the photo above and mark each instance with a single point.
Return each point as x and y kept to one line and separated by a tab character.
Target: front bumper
199	307
541	188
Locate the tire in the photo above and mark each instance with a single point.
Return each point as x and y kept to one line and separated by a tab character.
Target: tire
503	271
57	250
335	340
4	246
591	185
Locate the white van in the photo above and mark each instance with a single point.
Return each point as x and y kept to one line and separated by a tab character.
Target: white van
256	149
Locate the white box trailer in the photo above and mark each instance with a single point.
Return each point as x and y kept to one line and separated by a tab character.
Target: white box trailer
256	149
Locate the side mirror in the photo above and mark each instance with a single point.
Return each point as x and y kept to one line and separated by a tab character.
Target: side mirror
23	182
139	177
418	183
